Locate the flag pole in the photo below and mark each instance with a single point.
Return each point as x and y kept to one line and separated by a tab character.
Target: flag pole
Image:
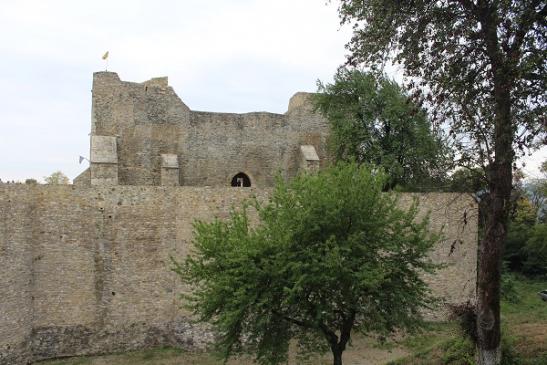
105	58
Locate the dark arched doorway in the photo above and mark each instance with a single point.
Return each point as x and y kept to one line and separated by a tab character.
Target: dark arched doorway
241	180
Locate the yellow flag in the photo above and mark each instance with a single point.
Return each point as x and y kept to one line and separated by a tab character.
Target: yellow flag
105	56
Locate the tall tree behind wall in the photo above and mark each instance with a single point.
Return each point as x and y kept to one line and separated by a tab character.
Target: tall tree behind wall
57	178
374	121
481	66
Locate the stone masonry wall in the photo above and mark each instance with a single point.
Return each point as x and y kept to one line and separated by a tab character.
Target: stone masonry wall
149	119
86	270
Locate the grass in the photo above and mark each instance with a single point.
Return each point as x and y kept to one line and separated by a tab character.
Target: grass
525	321
158	356
362	350
524	330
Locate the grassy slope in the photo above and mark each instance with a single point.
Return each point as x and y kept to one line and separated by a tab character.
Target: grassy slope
524	327
524	323
526	320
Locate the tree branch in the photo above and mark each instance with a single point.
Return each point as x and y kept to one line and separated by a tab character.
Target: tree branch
345	331
527	20
329	334
295	321
468	4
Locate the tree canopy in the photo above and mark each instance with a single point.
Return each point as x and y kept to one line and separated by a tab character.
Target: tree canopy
457	54
525	248
374	121
57	178
480	66
331	254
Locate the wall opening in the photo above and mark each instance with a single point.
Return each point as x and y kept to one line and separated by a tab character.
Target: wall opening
241	180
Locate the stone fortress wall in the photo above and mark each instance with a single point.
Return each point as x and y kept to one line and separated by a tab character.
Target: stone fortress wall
136	125
85	270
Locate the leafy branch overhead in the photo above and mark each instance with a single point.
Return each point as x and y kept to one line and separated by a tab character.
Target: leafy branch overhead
452	51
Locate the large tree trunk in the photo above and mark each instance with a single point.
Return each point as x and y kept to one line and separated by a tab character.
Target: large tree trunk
337	357
338	346
490	249
488	284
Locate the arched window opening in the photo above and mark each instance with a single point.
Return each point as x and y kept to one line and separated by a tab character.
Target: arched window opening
241	180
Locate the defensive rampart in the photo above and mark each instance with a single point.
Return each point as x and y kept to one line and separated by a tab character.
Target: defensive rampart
86	270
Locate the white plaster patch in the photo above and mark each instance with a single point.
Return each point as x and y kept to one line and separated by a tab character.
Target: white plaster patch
169	160
309	153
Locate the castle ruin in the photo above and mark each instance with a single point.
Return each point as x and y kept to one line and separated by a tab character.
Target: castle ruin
85	267
143	134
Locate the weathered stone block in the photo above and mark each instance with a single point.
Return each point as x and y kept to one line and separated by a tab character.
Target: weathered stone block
104	174
103	149
308	158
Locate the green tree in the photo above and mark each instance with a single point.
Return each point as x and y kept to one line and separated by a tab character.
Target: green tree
520	229
467	180
373	121
57	178
481	67
536	251
331	255
537	189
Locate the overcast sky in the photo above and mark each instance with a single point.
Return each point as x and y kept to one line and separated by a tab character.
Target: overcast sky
224	56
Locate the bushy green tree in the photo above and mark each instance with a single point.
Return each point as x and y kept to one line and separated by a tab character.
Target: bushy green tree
537	190
525	249
521	224
468	181
535	263
57	178
373	121
330	255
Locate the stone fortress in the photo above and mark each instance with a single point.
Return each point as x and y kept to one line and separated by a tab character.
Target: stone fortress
143	134
85	267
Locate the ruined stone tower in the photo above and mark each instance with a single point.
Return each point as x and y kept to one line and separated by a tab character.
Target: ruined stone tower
143	134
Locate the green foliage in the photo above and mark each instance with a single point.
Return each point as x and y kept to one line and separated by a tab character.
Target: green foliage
508	291
536	251
331	254
468	181
523	335
431	334
519	230
530	308
57	178
154	356
526	243
31	182
459	351
536	189
461	57
373	121
509	354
